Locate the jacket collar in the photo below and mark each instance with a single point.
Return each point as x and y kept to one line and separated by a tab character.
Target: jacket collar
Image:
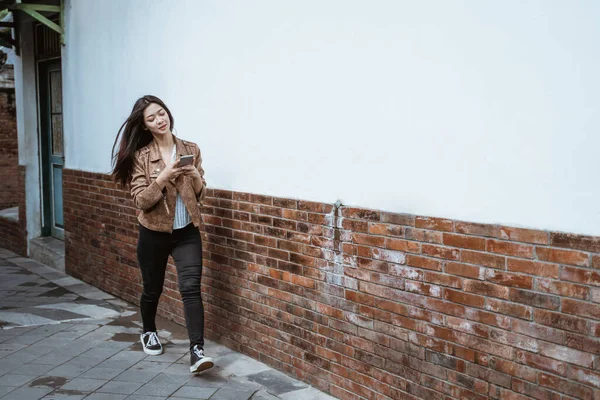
155	151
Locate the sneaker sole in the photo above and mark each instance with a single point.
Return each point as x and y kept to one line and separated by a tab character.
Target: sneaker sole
201	366
150	352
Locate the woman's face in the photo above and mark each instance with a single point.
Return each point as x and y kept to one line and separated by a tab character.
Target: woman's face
157	120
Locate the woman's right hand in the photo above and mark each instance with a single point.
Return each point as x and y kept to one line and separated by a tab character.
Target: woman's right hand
171	172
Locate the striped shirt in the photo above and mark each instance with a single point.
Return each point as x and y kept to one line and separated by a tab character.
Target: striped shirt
182	217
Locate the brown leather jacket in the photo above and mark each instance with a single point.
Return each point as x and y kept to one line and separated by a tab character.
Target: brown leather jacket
158	205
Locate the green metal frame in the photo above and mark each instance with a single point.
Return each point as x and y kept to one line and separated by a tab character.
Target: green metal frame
34	11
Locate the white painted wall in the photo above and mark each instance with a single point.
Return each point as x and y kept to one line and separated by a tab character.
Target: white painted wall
483	111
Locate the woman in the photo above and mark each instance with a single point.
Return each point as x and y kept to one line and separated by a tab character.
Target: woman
168	196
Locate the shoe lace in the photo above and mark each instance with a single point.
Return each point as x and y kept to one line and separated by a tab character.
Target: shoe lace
152	339
198	351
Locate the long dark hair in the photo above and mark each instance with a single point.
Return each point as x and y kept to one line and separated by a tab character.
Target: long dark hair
133	137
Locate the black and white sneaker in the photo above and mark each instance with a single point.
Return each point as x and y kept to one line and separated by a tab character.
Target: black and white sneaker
151	344
199	362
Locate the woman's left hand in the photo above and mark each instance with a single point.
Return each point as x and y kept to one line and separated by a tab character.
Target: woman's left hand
191	171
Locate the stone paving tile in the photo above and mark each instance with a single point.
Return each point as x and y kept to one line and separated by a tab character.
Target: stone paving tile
105	396
150	366
128	355
20	356
15	380
195	392
178	369
85	361
237	390
53	358
27	393
68	370
6	367
215	377
101	352
27	339
162	385
240	364
33	369
116	387
12	346
276	382
84	384
101	373
121	365
5	390
63	395
264	395
39	350
309	393
135	376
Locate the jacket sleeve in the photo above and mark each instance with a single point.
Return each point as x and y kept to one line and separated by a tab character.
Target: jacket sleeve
144	195
198	158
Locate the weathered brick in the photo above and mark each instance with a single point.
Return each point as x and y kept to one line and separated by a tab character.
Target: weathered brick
577	242
523	235
533	267
423	262
541	362
563	256
534	391
563	288
464	241
442	279
398	219
538	331
440	252
486	289
369	240
513	369
402	245
360	213
510	248
583	375
509	279
435	224
512	309
564	386
566	354
464	298
477	229
469	271
485	259
424	235
534	299
583	309
386	229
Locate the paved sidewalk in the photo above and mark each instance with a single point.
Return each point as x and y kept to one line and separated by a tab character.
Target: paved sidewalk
61	338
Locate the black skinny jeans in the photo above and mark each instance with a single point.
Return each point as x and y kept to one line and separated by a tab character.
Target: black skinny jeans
153	250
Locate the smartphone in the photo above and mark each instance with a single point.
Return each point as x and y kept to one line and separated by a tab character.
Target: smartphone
185	160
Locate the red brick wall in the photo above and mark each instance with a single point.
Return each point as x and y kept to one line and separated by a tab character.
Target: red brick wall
13	234
9	156
367	304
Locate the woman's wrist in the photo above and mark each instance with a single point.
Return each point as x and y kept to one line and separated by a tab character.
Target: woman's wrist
161	181
197	183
